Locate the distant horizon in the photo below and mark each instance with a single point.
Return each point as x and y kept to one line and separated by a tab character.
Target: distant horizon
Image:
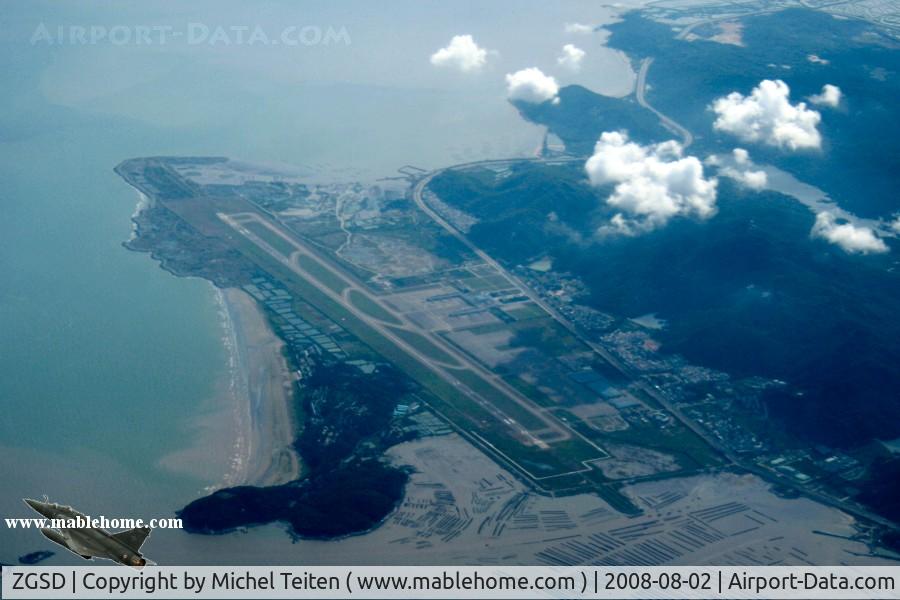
505	284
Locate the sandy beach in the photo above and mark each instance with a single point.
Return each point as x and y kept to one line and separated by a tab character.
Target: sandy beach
262	383
244	437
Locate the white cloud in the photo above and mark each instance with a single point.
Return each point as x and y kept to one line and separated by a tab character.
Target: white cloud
531	85
855	239
755	180
461	53
578	28
742	170
830	96
896	225
768	116
653	183
571	57
816	59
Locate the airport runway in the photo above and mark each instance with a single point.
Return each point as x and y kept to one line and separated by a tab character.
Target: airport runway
441	368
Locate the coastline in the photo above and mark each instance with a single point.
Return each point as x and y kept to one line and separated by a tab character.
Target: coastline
261	383
143	203
246	429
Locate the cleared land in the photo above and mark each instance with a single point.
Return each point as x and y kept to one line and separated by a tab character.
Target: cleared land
488	357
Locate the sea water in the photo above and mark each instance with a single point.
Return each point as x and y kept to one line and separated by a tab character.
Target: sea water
105	359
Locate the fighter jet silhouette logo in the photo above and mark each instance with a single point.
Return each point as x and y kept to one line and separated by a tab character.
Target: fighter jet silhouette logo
91	542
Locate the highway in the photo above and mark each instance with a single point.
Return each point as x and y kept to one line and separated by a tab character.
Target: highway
640	92
418	192
640	87
687	139
417	196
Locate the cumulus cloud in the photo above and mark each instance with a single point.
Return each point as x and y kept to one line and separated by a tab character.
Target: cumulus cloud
531	85
768	116
755	180
816	59
461	53
896	225
742	171
652	183
855	239
571	57
578	28
741	156
830	96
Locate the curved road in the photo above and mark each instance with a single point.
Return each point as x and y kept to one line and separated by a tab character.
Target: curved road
640	89
418	198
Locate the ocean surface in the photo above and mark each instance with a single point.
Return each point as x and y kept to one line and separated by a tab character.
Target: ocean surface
107	363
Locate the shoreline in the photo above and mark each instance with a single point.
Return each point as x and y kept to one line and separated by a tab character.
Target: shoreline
261	386
247	427
245	430
238	400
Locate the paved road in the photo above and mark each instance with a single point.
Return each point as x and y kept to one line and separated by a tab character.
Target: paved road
418	198
417	195
640	89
